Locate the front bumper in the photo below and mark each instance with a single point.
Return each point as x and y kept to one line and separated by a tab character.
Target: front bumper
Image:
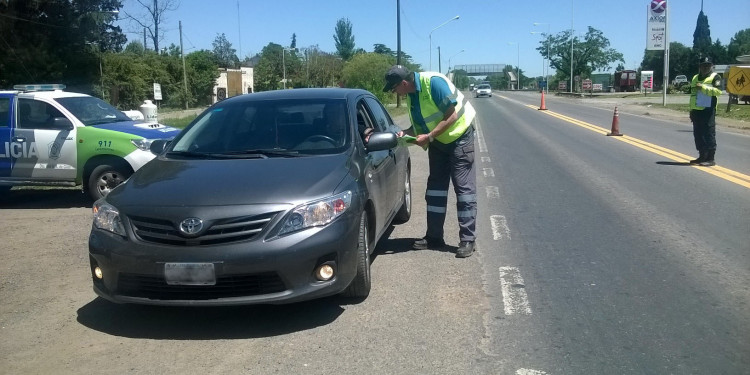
256	271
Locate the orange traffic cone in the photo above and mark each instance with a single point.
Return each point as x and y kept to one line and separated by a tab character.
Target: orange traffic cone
615	124
543	107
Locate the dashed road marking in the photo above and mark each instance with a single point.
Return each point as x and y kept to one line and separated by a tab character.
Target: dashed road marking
525	371
500	228
515	299
493	192
485	159
488	172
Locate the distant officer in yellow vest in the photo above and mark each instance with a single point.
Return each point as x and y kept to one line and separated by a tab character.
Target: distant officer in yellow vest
705	89
442	118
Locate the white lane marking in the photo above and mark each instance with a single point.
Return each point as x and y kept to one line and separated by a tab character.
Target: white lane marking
485	159
500	228
480	135
515	299
488	172
493	192
525	371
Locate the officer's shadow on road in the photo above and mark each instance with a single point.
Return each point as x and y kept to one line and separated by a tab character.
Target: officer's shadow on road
389	246
679	164
207	323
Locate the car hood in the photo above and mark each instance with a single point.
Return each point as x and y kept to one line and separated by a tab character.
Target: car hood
172	182
141	129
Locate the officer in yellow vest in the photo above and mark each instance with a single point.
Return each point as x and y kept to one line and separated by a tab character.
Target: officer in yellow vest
705	89
441	117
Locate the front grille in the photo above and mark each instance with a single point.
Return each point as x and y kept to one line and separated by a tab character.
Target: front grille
154	287
220	231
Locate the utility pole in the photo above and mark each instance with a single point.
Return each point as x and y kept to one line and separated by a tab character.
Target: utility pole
440	66
184	73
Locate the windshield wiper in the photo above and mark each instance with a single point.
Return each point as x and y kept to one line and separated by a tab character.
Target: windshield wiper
264	152
189	154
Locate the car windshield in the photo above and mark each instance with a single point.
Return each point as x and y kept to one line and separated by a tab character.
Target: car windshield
91	110
255	127
486	87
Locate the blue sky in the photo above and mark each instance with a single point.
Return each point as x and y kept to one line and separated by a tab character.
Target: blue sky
484	30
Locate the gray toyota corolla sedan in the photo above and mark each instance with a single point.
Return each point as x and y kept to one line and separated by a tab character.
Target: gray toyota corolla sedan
272	197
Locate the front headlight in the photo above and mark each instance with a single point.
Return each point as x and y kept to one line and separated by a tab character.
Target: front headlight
316	213
143	144
107	217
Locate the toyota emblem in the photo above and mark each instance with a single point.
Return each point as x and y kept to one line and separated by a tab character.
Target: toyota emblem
191	226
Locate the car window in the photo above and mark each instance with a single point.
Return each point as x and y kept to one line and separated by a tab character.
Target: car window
35	114
92	111
307	126
4	112
382	120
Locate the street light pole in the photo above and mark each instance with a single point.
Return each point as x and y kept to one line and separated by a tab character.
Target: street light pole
449	60
571	46
441	25
546	75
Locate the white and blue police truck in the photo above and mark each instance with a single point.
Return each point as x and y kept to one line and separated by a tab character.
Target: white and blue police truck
49	136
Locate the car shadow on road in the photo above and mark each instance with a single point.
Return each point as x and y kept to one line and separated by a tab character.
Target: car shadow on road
207	323
37	198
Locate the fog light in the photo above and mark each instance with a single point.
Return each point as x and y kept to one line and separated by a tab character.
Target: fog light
98	273
324	272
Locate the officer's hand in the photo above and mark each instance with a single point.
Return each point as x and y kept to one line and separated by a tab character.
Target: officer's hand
423	140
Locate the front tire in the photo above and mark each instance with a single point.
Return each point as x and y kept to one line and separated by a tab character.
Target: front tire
104	178
360	286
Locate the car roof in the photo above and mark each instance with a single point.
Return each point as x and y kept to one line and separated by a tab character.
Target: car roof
305	93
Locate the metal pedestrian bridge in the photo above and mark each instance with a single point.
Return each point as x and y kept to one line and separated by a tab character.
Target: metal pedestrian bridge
481	69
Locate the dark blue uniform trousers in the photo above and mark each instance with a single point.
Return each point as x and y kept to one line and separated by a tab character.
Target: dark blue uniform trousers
452	162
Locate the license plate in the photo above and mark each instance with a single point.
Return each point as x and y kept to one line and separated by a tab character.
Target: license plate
190	273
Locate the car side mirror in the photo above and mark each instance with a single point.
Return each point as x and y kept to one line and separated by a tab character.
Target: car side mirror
158	146
381	141
62	123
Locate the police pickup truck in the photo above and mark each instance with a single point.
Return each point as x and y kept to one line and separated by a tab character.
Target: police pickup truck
52	137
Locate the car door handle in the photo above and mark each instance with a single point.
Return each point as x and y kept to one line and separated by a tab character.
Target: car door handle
19	139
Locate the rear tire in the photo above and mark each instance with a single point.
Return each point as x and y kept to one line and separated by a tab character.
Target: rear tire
404	213
104	178
360	286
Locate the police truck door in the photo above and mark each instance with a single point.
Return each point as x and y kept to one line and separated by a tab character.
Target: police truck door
47	151
5	133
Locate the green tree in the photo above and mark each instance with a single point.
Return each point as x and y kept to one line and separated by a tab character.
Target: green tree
702	36
274	60
135	48
590	54
366	71
344	39
383	50
226	56
202	73
321	69
739	45
57	41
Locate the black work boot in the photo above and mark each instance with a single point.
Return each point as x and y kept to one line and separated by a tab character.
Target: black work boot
465	249
701	158
709	161
428	243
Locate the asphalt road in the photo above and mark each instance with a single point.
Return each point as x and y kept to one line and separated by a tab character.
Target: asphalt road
597	255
